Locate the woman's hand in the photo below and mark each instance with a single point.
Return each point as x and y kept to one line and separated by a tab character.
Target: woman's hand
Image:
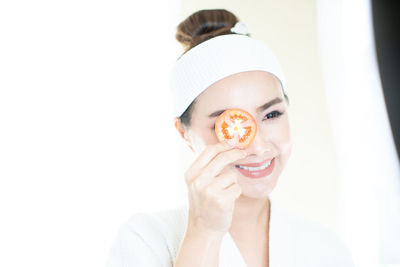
212	189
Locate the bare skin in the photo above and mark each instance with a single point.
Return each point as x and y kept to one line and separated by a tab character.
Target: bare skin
233	202
252	244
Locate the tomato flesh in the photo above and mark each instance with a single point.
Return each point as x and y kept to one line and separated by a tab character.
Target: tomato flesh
236	127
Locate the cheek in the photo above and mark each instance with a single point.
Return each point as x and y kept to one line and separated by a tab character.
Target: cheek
204	136
285	142
208	136
284	130
277	133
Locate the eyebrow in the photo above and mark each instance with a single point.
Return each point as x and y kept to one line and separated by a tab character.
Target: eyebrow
259	109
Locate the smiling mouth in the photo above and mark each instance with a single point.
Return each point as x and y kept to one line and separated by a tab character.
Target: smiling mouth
255	166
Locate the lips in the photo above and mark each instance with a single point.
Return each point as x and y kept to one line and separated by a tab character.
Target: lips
256	164
258	173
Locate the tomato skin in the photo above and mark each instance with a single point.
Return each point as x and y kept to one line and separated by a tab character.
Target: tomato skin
236	127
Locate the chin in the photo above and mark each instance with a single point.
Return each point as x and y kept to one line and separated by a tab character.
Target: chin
262	187
259	187
261	190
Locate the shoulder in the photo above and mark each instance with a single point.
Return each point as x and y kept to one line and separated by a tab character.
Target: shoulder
316	243
150	236
164	226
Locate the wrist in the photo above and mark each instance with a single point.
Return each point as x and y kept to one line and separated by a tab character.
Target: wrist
204	233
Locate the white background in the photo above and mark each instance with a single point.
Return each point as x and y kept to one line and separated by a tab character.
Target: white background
85	125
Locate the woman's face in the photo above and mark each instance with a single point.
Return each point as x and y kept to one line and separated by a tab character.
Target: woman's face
250	91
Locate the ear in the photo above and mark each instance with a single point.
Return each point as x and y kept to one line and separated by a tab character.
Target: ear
182	131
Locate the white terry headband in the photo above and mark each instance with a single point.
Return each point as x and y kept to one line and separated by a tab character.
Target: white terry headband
215	59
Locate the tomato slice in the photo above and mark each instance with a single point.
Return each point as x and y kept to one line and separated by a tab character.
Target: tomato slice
236	127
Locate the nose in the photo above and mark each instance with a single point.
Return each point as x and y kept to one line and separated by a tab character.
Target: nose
259	145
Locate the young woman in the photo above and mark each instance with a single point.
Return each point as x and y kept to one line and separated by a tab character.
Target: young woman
230	220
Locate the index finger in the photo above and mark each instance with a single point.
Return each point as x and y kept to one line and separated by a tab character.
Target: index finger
204	158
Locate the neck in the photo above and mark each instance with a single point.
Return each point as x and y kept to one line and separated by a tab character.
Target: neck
250	213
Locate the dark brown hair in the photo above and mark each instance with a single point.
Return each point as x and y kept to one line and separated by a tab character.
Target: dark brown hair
199	27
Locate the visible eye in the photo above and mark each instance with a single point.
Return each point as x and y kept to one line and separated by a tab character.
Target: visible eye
273	114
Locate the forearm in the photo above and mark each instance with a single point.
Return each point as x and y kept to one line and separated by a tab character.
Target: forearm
199	248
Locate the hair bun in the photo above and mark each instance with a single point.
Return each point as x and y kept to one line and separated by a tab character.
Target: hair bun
203	25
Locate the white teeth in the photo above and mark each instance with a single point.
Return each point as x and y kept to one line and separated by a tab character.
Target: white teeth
255	168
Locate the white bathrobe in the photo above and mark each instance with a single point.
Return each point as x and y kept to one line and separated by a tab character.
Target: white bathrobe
153	238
